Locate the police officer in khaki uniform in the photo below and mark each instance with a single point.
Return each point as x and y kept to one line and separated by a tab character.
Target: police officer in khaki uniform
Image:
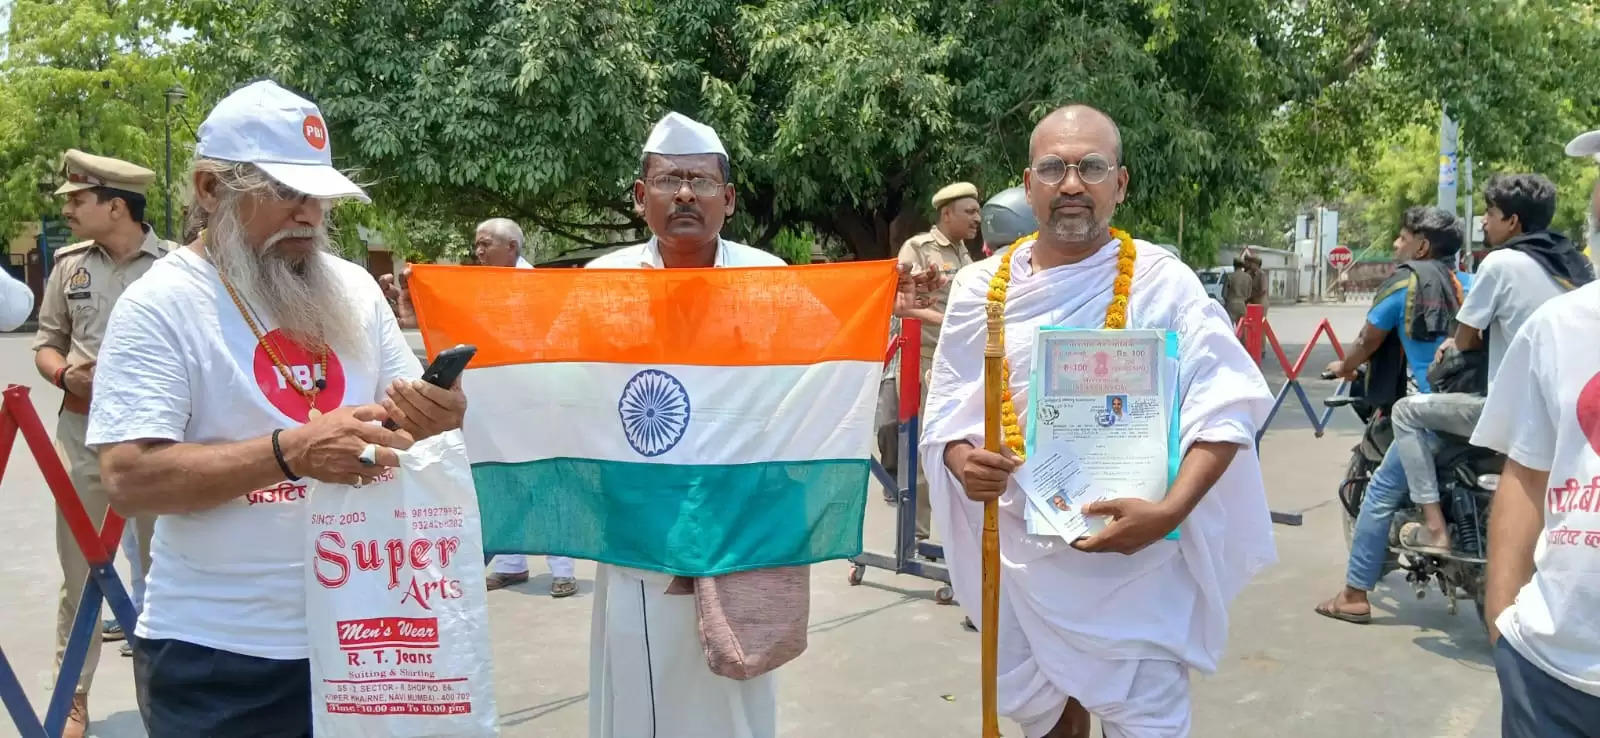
105	205
941	250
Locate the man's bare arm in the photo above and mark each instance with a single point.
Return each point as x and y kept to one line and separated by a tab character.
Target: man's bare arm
926	315
1365	346
165	477
49	360
1515	522
1138	523
1199	471
1468	338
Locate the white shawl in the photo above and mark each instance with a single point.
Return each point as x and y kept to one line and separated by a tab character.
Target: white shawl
1168	601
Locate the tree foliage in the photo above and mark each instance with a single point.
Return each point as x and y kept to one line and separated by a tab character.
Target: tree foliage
842	117
85	74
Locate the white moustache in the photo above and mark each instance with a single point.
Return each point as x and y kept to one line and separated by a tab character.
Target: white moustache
287	233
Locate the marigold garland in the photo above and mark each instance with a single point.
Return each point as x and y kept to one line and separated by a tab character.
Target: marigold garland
1116	319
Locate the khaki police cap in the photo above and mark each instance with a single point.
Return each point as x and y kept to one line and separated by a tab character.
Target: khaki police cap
84	171
952	192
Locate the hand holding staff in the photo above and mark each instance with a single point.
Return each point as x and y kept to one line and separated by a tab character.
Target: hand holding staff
993	362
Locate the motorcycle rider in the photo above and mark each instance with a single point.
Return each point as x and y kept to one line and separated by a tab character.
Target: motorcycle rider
1529	265
1410	318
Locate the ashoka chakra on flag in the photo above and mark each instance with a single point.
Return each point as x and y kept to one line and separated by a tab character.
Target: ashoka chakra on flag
655	412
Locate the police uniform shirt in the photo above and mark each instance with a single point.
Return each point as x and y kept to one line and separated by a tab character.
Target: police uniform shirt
78	296
926	251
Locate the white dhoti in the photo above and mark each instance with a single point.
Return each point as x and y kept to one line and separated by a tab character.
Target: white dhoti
560	566
1118	633
648	676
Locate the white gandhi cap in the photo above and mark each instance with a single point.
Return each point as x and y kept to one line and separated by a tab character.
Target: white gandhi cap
679	135
280	132
1587	144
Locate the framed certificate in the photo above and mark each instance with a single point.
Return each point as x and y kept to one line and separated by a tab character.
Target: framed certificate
1102	423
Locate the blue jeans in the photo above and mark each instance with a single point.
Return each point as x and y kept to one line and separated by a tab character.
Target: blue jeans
1369	543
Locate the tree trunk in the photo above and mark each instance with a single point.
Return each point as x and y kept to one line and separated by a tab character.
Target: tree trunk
872	236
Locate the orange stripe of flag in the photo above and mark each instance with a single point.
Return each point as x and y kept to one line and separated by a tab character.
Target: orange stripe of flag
716	317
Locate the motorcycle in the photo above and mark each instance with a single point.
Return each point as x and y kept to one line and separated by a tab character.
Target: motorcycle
1468	476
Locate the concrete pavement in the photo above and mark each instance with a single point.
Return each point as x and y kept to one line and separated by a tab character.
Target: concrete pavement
885	660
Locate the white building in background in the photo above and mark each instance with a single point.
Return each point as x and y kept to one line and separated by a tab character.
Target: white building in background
1282	267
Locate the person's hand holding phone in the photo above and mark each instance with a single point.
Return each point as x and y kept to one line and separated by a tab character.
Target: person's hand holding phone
423	410
329	447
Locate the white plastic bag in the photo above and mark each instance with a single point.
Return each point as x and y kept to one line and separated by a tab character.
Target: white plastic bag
395	602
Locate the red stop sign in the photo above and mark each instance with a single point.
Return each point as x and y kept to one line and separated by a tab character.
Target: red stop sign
1340	257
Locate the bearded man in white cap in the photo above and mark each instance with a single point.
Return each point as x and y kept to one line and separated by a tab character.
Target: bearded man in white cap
239	366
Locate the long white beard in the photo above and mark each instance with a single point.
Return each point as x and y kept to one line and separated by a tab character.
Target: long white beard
300	296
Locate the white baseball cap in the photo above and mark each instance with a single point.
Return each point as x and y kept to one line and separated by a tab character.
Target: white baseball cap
280	132
1586	144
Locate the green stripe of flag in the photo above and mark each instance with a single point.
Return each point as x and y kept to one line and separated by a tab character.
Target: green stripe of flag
691	520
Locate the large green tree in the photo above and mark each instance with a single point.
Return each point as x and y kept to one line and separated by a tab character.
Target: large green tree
842	117
85	74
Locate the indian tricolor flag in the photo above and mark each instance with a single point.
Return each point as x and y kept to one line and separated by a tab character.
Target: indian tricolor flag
689	421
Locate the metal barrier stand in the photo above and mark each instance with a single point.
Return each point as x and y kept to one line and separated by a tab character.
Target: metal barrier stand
98	547
911	556
1252	328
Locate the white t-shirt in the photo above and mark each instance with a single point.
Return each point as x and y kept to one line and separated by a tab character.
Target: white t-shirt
1509	286
16	301
1550	420
647	255
179	363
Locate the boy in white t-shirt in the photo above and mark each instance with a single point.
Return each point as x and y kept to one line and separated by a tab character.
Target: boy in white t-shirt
1543	590
240	365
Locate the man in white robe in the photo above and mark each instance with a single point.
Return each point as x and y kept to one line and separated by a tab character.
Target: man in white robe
1113	622
648	676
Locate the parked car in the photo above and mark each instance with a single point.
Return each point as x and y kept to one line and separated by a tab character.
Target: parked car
1212	279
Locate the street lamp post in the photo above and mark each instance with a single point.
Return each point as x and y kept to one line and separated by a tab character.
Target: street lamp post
174	94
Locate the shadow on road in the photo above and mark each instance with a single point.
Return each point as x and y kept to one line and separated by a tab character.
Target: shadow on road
526	714
823	626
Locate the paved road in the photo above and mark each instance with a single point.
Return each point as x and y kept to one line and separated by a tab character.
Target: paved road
885	660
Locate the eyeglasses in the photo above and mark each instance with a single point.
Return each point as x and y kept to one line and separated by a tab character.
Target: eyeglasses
284	193
1051	170
670	184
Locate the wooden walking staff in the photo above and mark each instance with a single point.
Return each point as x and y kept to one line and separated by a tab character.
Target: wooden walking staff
994	356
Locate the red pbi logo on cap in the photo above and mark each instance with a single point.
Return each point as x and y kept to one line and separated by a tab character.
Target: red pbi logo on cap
315	132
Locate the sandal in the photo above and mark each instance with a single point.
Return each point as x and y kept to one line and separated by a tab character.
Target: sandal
1411	539
1330	609
563	587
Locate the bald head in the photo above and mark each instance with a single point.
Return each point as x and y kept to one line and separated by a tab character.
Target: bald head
1075	181
1078	121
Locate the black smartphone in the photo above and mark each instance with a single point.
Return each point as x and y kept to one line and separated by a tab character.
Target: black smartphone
445	369
448	365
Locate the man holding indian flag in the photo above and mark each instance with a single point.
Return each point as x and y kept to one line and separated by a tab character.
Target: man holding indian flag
704	433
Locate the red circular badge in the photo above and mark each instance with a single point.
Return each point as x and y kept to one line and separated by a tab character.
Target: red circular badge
305	370
1589	412
315	132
